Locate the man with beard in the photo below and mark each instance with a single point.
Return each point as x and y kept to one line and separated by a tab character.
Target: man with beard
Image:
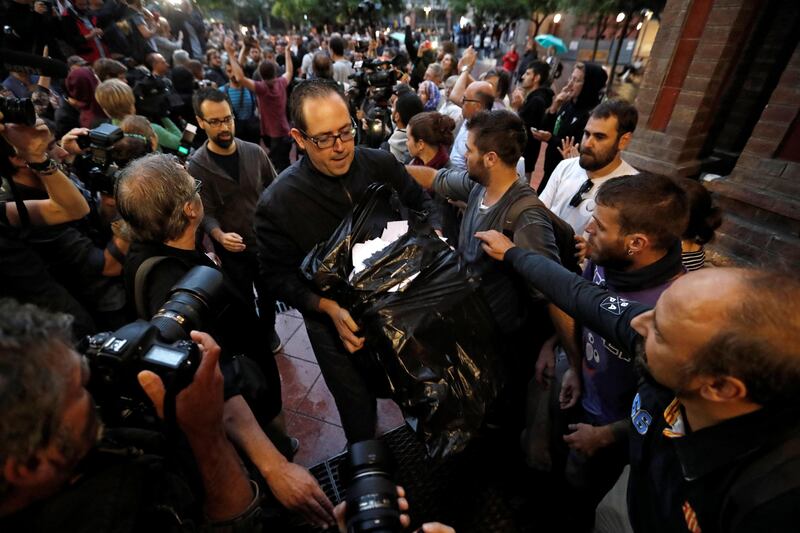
57	475
634	250
233	172
715	424
490	187
574	183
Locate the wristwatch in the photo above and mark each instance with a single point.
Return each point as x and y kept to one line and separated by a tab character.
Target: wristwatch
465	68
48	166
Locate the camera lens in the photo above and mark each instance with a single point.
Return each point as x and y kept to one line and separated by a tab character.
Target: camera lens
371	494
189	303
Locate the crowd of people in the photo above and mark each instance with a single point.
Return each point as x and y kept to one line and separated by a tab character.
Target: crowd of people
140	142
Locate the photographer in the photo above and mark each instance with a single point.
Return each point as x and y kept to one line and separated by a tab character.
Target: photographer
25	275
160	201
55	468
714	430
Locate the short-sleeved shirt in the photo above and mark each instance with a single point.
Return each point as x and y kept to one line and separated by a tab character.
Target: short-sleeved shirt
272	107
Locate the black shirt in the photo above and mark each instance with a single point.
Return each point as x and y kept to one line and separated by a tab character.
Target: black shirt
228	163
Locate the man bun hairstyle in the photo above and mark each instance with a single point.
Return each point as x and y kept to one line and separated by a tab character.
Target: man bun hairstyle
501	132
647	203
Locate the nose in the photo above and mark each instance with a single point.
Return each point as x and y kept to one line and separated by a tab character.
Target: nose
338	144
641	323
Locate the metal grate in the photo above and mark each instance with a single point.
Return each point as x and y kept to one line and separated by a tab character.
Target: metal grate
462	491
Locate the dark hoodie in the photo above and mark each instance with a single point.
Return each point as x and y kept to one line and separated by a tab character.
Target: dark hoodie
81	84
532	114
571	119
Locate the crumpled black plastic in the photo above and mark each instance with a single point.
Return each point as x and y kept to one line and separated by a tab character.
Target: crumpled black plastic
432	345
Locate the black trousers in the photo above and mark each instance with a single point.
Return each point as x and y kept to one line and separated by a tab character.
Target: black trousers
242	269
354	400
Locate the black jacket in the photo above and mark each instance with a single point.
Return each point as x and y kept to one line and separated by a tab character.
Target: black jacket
303	207
532	114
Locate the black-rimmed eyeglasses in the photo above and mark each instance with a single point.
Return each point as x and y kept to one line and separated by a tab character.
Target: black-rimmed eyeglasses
328	140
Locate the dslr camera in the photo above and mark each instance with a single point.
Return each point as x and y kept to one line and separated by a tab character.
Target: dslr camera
161	345
17	111
371	492
99	167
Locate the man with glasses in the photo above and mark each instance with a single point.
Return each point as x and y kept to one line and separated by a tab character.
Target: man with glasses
574	183
479	96
234	173
303	207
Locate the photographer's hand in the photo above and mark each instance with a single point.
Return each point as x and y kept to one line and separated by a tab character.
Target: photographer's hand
341	509
69	141
198	410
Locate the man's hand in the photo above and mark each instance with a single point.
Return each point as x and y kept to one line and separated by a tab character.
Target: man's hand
30	142
517	98
495	244
231	241
568	148
587	439
541	135
69	141
298	491
345	325
570	389
581	248
468	58
198	407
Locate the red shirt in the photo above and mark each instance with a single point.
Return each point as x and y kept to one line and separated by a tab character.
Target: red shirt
510	61
271	97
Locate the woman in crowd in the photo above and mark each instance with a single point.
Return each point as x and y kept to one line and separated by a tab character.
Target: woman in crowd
704	219
79	109
430	95
430	136
569	113
117	100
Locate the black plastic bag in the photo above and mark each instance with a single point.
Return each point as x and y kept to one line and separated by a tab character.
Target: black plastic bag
431	344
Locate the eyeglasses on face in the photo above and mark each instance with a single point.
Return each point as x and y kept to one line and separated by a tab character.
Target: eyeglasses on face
217	122
327	140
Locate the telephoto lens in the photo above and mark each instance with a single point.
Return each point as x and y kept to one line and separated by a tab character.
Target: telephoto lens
371	494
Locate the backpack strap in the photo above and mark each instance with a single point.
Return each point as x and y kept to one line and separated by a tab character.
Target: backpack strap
139	282
563	232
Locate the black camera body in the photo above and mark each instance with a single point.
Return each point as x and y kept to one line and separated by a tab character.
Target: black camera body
161	345
17	111
97	168
371	493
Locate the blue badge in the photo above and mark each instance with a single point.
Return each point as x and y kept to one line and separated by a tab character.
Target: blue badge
640	418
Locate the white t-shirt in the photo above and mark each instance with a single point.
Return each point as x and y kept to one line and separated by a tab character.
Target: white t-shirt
565	181
341	70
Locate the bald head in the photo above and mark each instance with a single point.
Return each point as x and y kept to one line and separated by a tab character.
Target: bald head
479	96
743	323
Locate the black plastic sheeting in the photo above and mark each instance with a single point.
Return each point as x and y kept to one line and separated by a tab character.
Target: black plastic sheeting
431	345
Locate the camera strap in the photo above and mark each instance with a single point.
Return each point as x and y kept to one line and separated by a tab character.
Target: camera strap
22	211
171	421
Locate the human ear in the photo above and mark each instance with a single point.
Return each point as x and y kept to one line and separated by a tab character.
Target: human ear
724	389
637	243
298	138
624	140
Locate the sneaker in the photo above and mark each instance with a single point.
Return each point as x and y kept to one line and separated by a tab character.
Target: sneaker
276	344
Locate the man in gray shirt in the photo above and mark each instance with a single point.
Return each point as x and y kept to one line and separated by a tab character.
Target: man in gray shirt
491	186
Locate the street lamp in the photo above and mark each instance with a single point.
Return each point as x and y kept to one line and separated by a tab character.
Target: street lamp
620	17
557	18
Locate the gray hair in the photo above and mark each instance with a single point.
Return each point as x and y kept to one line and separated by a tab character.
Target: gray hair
180	57
32	384
437	70
150	194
